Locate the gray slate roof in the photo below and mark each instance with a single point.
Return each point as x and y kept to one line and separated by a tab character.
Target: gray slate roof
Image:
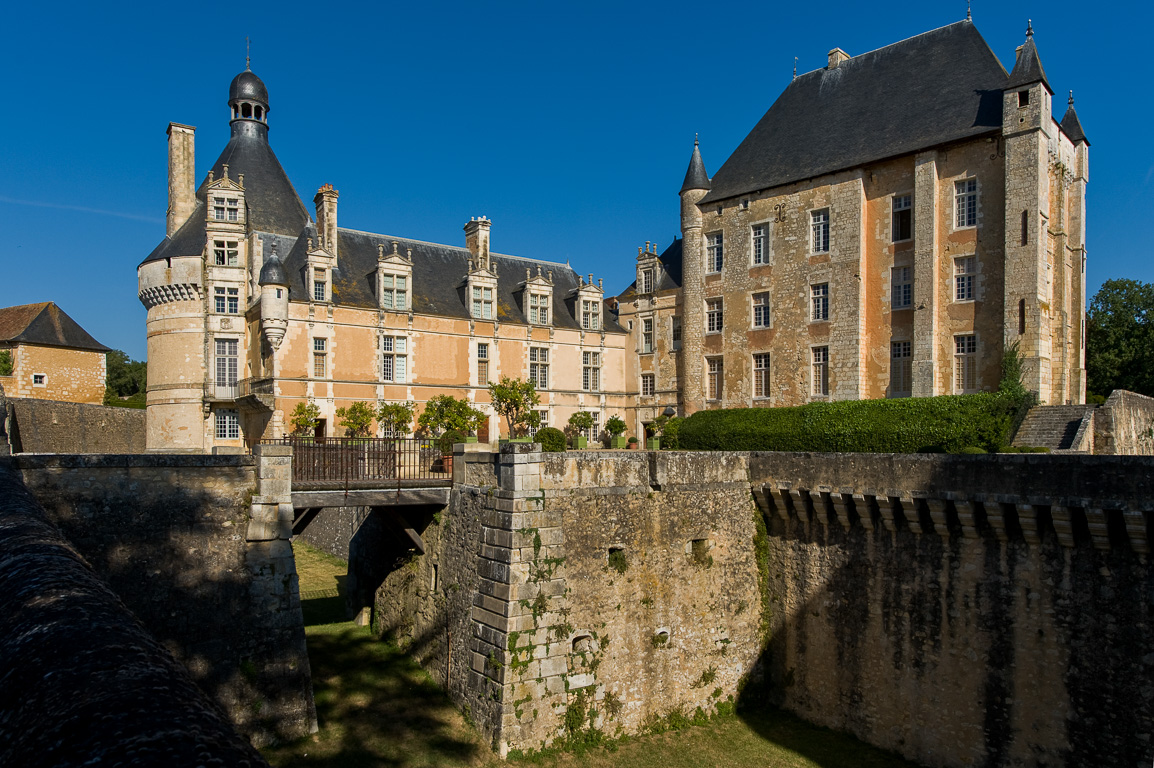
941	86
439	273
695	175
272	205
45	324
1071	125
1028	67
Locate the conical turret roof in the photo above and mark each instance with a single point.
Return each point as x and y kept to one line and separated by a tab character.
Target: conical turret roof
695	176
1071	125
1028	67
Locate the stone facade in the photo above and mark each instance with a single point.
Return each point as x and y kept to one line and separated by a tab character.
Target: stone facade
885	303
198	548
51	426
54	373
255	307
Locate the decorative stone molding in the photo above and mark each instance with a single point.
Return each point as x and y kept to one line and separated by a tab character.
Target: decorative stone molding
168	294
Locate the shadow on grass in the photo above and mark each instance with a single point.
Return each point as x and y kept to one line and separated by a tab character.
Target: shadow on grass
375	707
822	746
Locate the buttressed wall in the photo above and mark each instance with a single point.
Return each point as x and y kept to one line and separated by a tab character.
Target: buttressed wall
961	610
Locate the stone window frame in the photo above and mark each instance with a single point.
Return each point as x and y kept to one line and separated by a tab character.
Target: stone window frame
820	239
590	314
766	312
675	333
714	252
226	300
900	299
908	210
819	303
965	282
714	315
817	392
591	370
483	360
714	378
648	346
482	300
393	292
221	377
966	346
646	282
539	307
225	252
320	350
539	367
970	199
766	255
901	362
395	353
648	385
762	367
321	291
43	379
226	208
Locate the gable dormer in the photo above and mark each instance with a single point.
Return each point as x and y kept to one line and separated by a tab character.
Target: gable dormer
481	279
320	264
394	279
648	269
225	221
537	297
588	301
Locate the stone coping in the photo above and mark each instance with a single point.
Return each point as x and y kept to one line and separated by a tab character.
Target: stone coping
116	460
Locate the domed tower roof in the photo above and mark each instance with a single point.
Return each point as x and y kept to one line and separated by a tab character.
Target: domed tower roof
248	87
272	273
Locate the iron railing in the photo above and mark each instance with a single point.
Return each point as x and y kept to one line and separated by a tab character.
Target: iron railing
226	391
365	462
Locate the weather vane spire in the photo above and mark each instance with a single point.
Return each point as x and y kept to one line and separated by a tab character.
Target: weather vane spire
247	55
969	16
1029	28
795	67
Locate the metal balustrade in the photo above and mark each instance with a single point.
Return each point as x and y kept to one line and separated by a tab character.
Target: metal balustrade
366	462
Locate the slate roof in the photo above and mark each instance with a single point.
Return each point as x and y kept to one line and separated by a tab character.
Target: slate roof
272	204
695	175
1028	67
439	273
941	86
670	278
1071	125
45	324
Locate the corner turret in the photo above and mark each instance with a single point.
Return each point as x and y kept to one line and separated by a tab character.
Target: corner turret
273	300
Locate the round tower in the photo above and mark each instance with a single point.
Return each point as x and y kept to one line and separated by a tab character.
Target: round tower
691	374
248	101
273	301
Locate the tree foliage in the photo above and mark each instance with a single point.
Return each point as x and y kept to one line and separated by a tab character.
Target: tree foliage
615	426
1120	338
580	422
5	362
125	380
515	400
396	418
445	413
357	419
304	418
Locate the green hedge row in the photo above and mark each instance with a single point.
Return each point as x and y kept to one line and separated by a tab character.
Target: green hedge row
908	425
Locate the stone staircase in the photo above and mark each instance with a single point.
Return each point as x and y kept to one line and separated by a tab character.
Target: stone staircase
1057	427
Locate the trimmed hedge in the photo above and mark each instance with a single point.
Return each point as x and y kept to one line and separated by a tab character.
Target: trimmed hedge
552	440
948	423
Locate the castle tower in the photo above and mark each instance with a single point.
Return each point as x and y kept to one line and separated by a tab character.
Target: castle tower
1029	311
1075	232
692	374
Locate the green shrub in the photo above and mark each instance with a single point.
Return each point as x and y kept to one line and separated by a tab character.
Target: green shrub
615	426
972	450
944	424
447	441
552	440
632	440
671	434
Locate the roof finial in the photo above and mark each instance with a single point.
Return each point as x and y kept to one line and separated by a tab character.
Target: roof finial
247	56
695	143
1029	28
794	67
969	16
1071	101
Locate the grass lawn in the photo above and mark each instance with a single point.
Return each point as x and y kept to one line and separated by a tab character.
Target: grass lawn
376	707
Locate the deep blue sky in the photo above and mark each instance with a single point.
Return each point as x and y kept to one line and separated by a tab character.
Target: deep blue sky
569	126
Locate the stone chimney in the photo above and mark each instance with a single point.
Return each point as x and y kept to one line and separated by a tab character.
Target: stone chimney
836	57
326	203
477	240
181	175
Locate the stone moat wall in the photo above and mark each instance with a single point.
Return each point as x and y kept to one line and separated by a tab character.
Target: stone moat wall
53	426
198	549
960	610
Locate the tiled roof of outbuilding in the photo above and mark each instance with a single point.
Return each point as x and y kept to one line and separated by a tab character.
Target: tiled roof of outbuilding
940	86
45	324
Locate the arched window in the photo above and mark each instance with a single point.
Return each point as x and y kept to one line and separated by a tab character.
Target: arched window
259	113
246	110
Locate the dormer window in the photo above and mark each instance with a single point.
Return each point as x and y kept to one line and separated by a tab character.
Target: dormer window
225	209
226	253
647	281
590	315
538	309
320	285
394	292
482	303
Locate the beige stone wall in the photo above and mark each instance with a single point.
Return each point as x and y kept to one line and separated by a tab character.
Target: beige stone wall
70	375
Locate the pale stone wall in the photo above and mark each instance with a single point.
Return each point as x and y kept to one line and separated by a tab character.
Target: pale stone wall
197	547
70	375
50	426
1124	425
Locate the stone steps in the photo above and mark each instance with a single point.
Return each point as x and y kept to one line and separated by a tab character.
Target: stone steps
1052	426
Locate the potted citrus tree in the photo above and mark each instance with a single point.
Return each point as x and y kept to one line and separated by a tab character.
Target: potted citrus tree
579	423
516	400
616	429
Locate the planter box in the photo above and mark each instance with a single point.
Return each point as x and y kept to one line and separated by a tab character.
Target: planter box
580	443
653	444
470	440
619	442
